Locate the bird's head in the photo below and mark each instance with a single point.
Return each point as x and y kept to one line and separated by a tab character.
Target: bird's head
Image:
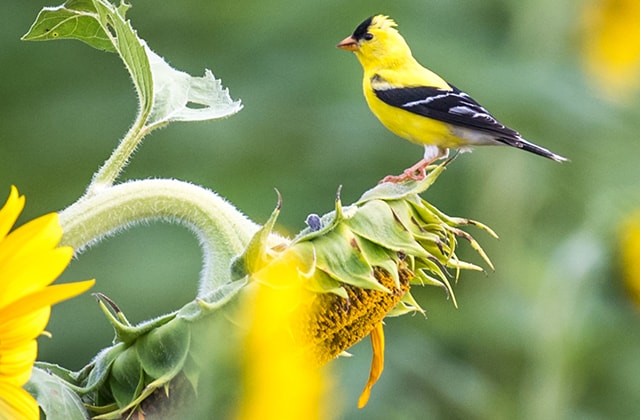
375	40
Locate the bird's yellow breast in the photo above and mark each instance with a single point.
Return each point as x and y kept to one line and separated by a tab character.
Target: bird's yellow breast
413	127
416	128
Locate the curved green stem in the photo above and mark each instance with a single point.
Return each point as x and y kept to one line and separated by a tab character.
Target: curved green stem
222	229
109	171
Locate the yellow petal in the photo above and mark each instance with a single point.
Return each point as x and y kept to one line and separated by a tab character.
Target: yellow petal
16	330
10	211
30	272
280	379
377	363
45	297
16	363
16	403
37	235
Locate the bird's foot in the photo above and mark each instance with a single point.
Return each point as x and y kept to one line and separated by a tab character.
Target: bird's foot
415	173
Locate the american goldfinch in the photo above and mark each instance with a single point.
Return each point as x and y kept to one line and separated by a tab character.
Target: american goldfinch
418	105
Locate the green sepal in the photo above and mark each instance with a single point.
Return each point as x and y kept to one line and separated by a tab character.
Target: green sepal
410	220
456	221
192	371
375	222
328	222
423	277
127	377
100	368
55	397
405	190
318	280
381	257
474	244
126	333
163	350
255	254
338	255
209	303
406	305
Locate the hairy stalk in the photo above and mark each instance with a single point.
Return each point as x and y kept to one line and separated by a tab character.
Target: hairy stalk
223	231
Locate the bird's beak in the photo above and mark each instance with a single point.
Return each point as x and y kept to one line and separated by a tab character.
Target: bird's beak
349	44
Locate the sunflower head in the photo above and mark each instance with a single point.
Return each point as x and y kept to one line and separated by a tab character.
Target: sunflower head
358	263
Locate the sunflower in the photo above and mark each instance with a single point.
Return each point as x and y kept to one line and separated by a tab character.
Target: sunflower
337	280
30	260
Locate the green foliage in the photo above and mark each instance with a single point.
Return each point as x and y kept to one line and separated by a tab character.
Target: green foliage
76	19
55	397
164	93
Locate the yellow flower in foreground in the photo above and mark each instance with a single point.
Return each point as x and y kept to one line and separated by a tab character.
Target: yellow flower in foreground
611	46
282	381
30	260
630	249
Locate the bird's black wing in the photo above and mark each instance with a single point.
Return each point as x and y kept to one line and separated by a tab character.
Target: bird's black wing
450	106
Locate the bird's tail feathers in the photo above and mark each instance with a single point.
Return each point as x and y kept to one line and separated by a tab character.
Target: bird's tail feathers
523	144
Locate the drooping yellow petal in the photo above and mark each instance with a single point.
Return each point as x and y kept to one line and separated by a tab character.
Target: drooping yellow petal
377	363
31	272
34	236
16	403
46	297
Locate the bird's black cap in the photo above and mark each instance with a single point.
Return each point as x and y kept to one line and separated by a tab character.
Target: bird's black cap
361	30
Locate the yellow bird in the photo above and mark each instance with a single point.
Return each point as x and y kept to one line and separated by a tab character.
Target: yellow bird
418	105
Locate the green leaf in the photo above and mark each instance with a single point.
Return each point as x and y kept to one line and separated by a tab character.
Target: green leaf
63	373
181	97
54	396
165	94
131	50
76	19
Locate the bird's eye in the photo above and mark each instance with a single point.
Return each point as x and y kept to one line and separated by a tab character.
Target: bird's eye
368	36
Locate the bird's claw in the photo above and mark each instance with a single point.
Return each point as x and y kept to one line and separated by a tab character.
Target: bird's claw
415	173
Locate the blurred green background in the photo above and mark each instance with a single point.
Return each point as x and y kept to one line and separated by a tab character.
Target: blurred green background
551	334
